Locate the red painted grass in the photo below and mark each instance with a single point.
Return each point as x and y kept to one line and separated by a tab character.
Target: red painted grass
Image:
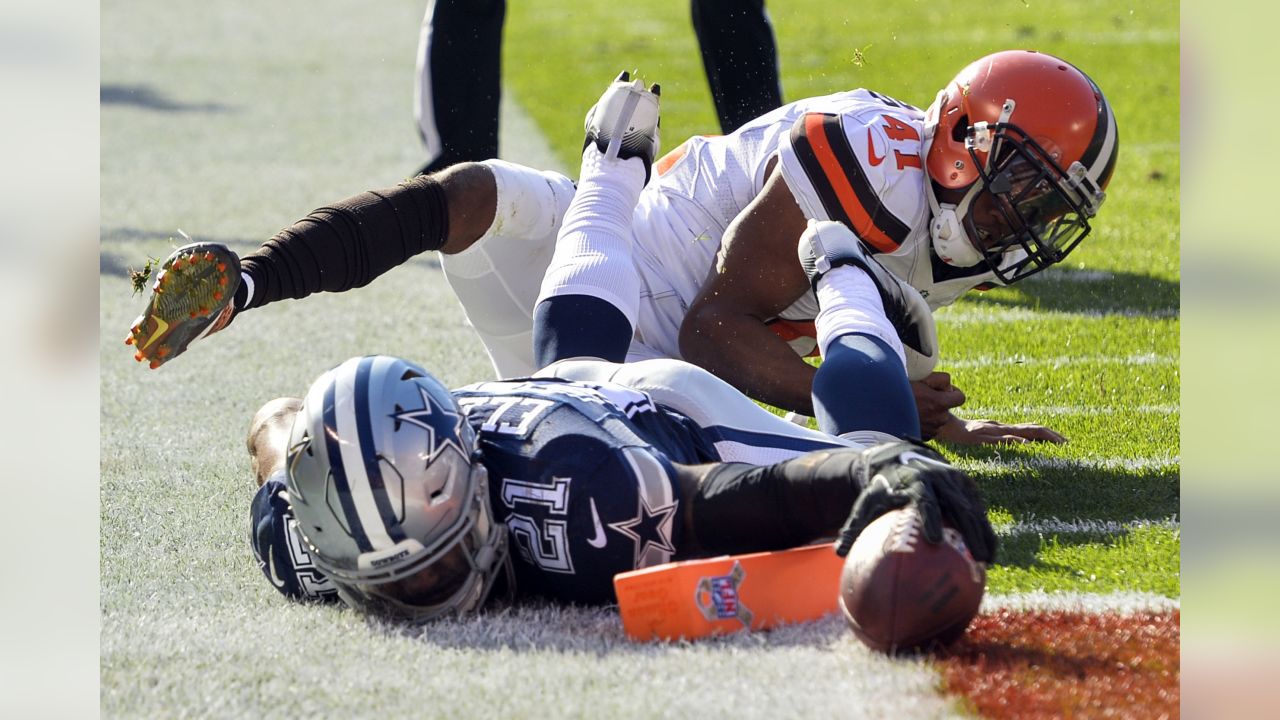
1061	664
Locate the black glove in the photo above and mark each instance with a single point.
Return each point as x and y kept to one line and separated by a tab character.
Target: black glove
902	474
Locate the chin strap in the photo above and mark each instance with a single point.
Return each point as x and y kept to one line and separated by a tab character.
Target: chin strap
950	241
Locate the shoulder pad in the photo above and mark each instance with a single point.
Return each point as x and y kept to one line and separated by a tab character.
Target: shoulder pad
865	175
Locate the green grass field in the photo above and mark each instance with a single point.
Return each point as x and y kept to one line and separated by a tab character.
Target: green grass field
231	120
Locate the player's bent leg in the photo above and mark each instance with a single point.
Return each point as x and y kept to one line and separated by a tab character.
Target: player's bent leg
741	430
576	326
866	322
878	405
861	389
349	243
341	246
498	274
268	438
857	294
593	265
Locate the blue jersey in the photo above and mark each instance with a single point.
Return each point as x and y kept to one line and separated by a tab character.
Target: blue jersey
581	473
279	548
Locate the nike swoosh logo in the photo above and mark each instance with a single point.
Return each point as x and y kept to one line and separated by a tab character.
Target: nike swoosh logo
598	540
871	152
161	327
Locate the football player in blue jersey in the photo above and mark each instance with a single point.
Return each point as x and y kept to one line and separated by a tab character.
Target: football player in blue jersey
410	502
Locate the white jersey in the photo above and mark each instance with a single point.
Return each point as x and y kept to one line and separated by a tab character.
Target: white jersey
853	157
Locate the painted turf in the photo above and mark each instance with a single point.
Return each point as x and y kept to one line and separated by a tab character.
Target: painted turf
202	129
189	625
1032	664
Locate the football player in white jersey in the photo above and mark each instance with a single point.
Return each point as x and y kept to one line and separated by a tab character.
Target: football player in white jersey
997	180
694	255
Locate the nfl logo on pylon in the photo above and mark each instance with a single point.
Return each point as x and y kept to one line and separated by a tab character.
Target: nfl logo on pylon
718	597
724	594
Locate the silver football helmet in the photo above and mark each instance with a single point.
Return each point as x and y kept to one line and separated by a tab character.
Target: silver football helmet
387	494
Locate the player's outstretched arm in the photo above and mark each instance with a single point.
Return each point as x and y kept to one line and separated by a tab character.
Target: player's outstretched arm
590	297
737	508
756	277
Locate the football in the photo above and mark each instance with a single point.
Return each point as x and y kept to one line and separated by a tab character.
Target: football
901	593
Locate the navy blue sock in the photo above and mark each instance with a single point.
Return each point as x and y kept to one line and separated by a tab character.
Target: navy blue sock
862	385
568	326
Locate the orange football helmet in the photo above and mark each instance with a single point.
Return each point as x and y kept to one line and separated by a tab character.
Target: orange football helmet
1019	149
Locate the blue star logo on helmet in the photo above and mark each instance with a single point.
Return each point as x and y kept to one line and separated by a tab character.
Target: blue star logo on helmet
442	423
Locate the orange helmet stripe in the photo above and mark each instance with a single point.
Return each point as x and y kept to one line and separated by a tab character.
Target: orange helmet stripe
836	171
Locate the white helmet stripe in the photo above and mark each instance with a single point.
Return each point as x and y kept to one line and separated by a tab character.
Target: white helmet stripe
1108	148
353	459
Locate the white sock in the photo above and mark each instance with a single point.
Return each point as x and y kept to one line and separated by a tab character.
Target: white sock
850	303
594	249
530	203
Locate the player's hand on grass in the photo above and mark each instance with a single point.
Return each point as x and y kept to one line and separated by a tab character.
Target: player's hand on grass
992	432
935	397
903	474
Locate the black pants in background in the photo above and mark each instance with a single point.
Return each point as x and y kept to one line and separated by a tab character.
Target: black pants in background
460	77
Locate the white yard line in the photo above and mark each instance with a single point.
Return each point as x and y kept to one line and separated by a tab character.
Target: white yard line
984	361
1057	526
1071	276
1117	602
1001	465
1151	36
1035	411
979	315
